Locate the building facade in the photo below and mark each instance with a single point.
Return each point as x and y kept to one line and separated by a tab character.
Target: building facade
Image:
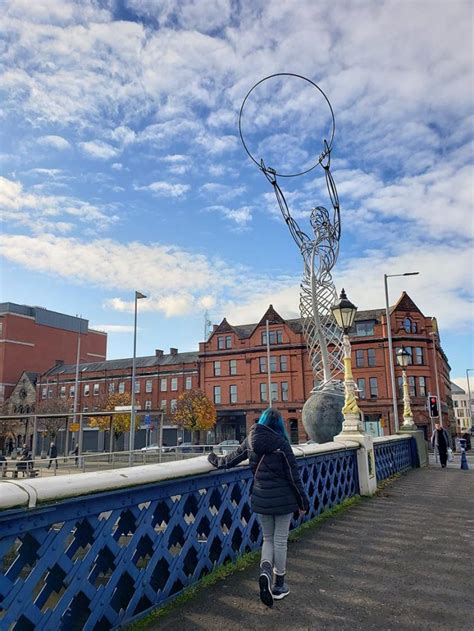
231	367
33	339
461	409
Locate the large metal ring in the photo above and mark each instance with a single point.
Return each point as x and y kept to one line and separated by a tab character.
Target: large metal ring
327	143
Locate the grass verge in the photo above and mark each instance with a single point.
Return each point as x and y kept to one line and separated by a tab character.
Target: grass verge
239	565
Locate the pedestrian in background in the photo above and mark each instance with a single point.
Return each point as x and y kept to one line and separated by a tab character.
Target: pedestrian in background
440	441
53	456
277	493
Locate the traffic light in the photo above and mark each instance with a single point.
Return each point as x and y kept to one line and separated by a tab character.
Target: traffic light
433	406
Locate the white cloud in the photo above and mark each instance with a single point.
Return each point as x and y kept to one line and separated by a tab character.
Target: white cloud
57	213
222	192
165	189
240	216
99	150
56	142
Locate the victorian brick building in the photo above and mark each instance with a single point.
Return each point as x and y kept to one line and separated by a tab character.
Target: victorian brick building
231	368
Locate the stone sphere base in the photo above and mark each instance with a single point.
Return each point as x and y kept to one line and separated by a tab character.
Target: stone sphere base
322	416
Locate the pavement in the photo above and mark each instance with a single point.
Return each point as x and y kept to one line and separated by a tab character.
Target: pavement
400	560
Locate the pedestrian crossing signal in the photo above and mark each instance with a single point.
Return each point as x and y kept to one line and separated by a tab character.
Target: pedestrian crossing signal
433	406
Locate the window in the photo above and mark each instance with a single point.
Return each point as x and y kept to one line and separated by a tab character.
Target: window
283	363
273	363
422	386
371	357
262	361
72	390
419	356
189	383
147	405
374	390
217	394
86	390
361	388
111	387
284	390
163	405
121	387
217	369
50	393
364	328
174	384
85	409
412	386
148	385
96	389
137	387
276	337
360	359
409	325
233	367
228	341
173	404
263	391
456	403
62	392
163	385
409	350
220	343
233	394
44	393
274	394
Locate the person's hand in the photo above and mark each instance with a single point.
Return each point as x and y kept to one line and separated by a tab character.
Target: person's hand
302	512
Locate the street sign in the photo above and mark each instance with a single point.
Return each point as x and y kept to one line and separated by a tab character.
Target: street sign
74	427
147	419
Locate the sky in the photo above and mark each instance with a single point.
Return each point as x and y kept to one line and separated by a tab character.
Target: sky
122	169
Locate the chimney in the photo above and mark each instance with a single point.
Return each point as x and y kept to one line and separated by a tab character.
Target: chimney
215	327
158	352
173	351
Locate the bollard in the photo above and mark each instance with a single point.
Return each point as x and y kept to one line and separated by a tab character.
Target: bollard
462	444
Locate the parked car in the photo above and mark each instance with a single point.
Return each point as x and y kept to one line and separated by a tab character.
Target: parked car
227	446
156	449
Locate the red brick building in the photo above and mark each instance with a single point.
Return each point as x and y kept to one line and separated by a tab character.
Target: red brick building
231	368
33	339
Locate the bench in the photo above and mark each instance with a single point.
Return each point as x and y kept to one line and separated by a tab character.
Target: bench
14	473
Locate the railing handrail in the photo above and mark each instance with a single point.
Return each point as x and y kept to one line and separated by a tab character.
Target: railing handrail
30	492
386	439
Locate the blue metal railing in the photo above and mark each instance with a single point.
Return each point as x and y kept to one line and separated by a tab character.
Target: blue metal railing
394	456
95	562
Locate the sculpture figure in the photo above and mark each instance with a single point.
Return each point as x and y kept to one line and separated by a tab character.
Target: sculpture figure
322	415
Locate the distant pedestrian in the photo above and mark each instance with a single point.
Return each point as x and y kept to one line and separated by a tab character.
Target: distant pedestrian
3	465
440	441
10	447
53	455
277	493
75	452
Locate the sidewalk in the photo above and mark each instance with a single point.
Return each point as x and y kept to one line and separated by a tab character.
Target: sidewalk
402	560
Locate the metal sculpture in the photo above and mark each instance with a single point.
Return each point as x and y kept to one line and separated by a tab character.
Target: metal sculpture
319	252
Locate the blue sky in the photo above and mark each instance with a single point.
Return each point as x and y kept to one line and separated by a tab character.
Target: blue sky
122	168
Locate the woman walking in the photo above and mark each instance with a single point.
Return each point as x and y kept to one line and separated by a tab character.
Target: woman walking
276	494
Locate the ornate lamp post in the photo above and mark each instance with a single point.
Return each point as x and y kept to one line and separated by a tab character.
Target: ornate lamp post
344	313
402	360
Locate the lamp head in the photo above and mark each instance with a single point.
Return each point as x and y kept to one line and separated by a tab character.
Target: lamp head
403	357
344	312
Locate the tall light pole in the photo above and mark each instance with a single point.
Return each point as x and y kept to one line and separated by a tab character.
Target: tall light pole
76	381
468	370
403	358
269	371
344	312
390	346
434	336
138	296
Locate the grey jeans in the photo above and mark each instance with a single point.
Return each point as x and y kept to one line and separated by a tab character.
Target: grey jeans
275	540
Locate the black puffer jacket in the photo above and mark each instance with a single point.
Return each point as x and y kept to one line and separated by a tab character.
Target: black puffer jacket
277	487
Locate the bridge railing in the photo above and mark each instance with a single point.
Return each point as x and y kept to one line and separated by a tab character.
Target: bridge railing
101	549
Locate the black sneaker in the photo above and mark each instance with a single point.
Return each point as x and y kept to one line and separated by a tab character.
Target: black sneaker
280	588
265	584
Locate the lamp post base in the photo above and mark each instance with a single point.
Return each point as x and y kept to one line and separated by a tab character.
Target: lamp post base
352	424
